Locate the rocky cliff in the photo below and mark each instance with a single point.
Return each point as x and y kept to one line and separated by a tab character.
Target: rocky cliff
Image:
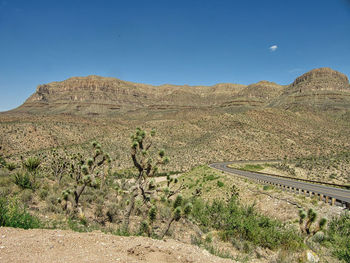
97	95
320	79
320	89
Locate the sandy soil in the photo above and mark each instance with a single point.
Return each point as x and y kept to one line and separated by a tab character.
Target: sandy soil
18	245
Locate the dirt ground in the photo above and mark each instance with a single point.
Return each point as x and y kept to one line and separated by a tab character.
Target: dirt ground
41	245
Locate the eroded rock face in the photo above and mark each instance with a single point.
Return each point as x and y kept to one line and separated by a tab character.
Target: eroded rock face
320	79
95	95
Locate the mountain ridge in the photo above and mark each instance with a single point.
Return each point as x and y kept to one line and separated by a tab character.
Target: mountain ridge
107	95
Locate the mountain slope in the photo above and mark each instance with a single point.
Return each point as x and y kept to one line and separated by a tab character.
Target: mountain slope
94	95
322	88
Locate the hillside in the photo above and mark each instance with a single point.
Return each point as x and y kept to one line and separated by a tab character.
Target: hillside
322	88
196	124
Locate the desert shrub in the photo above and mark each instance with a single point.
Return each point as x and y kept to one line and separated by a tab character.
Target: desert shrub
267	187
12	214
22	179
112	212
98	211
43	193
235	221
220	184
32	164
2	160
222	253
338	236
5	180
26	195
5	191
11	166
78	225
253	167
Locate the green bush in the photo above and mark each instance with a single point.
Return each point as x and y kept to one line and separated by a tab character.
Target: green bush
13	215
220	184
2	162
11	166
338	236
32	164
23	180
238	222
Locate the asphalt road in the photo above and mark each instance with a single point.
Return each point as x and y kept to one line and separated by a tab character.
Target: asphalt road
342	196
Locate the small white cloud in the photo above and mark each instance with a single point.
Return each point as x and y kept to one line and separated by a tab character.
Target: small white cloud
273	48
294	70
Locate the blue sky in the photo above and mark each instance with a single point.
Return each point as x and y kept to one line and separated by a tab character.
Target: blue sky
191	42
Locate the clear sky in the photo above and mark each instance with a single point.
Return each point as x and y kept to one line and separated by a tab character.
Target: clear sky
168	41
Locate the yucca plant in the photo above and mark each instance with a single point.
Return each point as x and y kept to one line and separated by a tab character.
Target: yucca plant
87	172
31	165
146	163
179	210
306	221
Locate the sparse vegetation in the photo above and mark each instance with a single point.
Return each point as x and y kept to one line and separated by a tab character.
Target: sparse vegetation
306	221
338	236
236	222
252	167
13	214
90	191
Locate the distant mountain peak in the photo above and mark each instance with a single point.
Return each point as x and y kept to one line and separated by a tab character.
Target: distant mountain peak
320	79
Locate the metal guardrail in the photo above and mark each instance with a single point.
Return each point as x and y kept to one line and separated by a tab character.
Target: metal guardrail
297	179
326	192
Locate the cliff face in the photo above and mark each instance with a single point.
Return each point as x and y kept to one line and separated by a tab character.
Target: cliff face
320	79
100	95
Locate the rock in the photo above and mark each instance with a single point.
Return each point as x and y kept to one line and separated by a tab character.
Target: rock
261	253
310	257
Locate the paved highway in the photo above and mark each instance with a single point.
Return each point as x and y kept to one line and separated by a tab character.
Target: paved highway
342	196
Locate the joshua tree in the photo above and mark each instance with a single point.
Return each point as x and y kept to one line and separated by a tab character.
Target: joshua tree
173	187
146	164
147	226
307	219
178	212
87	173
59	164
